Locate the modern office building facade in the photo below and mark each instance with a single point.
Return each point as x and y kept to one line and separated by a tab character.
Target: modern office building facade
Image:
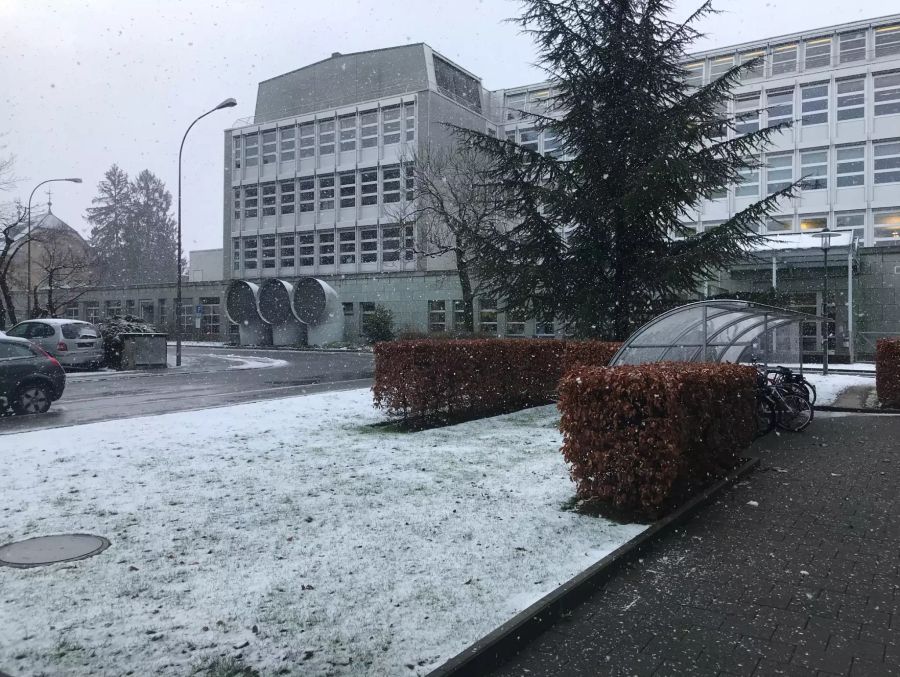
315	180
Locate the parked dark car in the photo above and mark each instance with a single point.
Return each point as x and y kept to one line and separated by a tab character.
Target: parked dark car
30	379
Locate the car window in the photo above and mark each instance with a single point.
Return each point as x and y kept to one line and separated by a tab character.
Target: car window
76	330
40	330
20	330
11	351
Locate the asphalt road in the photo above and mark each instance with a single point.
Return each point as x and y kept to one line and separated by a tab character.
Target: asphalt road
209	377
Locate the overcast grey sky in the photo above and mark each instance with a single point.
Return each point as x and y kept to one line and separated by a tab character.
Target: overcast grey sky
85	84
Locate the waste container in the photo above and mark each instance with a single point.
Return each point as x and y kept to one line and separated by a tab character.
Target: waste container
141	351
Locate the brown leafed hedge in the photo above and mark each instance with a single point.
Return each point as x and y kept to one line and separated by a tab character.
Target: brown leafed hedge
887	371
467	378
634	436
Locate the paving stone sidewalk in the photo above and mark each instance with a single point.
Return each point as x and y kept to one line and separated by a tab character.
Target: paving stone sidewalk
794	571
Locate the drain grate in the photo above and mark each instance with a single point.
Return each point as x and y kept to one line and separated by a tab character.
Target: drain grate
44	550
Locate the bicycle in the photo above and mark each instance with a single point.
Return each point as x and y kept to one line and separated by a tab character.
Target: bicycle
781	405
796	382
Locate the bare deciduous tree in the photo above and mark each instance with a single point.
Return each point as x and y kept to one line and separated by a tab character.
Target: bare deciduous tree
65	272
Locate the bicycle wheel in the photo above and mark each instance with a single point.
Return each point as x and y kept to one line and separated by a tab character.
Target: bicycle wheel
765	415
810	391
794	412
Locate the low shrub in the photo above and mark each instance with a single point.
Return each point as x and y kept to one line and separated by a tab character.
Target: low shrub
378	325
637	436
887	371
443	380
111	329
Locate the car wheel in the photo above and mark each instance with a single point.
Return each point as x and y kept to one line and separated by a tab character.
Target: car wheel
31	398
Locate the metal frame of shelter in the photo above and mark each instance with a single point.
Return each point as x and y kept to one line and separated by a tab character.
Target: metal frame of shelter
707	331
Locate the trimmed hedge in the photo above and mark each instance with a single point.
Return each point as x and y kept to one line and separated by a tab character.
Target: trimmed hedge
437	379
887	371
637	436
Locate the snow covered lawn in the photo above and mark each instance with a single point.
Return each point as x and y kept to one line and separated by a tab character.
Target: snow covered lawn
288	532
828	388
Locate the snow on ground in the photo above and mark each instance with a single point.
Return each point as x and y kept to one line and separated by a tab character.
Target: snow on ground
828	388
291	529
853	366
252	362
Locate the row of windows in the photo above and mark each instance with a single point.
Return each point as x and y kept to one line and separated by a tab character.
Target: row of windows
386	243
816	169
325	191
885	224
811	54
546	142
366	129
815	102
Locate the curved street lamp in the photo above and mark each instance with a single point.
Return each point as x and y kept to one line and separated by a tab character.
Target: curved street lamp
28	272
227	103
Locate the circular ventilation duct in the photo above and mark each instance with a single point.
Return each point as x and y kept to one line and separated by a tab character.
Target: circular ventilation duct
275	301
310	300
241	302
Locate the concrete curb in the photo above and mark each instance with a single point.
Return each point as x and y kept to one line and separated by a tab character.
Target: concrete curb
276	349
504	642
857	410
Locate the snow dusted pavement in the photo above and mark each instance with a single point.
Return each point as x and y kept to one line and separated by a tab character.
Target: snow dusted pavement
290	532
829	388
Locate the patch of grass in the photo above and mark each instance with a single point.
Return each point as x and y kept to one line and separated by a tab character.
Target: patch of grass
225	667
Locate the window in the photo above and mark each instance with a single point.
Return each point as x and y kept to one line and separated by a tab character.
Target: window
487	316
307	188
236	253
347	244
348	132
453	82
719	193
288	193
390	184
251	201
755	71
515	323
269	199
784	59
236	202
348	189
814	103
887	226
286	251
853	221
308	140
552	142
347	307
779	224
113	308
693	74
511	135
722	118
515	104
814	169
409	114
851	166
818	53
887	40
409	174
268	147
852	46
749	183
390	243
887	93
250	253
459	314
368	186
368	245
326	249
368	128
251	150
780	173
538	101
437	316
719	66
746	114
288	143
326	192
92	311
851	99
186	314
129	307
390	125
528	138
306	253
887	162
813	222
366	310
236	152
71	312
326	137
780	106
268	251
161	304
409	244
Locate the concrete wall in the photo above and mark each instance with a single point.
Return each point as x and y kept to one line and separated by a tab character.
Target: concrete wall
205	265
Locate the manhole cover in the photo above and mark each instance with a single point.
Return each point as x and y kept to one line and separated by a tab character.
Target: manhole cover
42	550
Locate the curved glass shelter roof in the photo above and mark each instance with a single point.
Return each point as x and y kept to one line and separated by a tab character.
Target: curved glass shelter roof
706	331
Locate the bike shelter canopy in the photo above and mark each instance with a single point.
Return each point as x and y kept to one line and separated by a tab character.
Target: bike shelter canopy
707	331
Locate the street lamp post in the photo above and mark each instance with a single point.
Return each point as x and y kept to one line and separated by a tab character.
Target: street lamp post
28	244
227	103
825	237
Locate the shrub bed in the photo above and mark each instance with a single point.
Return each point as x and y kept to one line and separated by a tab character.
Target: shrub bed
111	329
635	437
887	371
443	380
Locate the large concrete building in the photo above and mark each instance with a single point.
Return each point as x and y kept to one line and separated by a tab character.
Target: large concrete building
312	180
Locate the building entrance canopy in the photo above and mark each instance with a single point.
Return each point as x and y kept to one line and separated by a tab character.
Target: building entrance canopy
708	331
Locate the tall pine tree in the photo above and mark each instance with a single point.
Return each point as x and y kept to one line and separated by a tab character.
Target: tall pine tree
109	219
595	235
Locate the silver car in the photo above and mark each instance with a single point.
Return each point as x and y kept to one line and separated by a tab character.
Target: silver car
72	342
